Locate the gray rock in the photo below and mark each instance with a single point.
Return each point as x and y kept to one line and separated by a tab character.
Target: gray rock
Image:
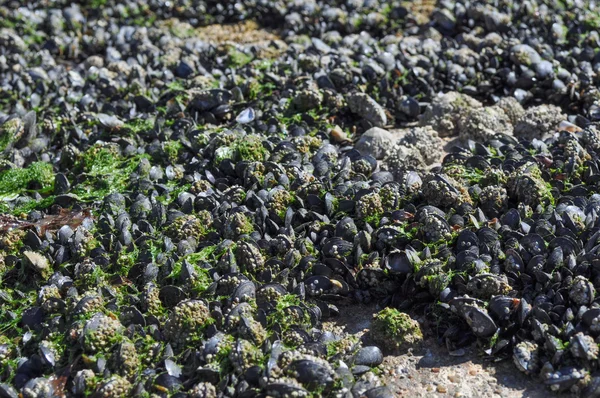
563	74
538	121
306	100
512	108
358	370
559	31
495	20
379	392
522	95
427	141
444	111
465	57
320	45
11	39
369	356
482	124
492	40
365	106
184	69
375	142
522	54
402	158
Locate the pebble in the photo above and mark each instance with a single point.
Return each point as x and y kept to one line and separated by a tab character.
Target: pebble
375	142
366	107
369	356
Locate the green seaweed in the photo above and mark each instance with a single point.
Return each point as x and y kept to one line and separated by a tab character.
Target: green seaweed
172	149
136	126
105	172
38	177
237	59
250	148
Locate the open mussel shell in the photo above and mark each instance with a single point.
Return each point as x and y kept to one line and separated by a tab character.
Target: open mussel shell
401	262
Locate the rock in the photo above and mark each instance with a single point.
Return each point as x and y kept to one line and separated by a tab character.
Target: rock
366	107
306	100
94	60
38	262
375	142
11	39
522	54
379	392
387	60
395	330
492	39
427	141
482	124
465	57
10	132
444	111
369	356
358	370
403	157
513	109
332	100
538	121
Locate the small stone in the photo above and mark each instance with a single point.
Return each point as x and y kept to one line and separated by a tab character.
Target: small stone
444	19
38	262
110	121
307	99
369	356
443	113
513	109
427	141
366	107
442	389
522	54
482	124
453	378
538	121
404	157
375	142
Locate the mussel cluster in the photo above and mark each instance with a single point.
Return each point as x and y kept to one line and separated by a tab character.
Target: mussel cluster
189	188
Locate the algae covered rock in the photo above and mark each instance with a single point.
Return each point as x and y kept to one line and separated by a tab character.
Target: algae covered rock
395	330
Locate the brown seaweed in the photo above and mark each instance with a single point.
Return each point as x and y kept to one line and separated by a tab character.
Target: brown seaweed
50	222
